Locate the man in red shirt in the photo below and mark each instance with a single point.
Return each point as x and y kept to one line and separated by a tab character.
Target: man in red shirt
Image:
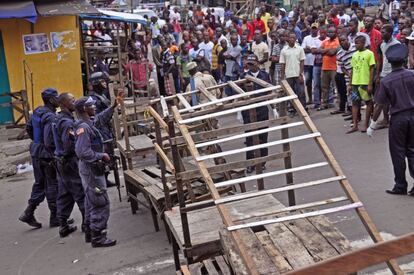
258	24
333	16
374	35
249	27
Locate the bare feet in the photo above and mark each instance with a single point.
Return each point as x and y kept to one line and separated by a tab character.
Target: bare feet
352	130
363	130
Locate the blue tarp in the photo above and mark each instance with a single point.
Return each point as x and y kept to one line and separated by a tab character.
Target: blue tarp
18	9
116	16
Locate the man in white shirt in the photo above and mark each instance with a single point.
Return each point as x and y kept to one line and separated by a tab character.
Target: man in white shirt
310	41
292	59
175	15
343	17
207	46
260	49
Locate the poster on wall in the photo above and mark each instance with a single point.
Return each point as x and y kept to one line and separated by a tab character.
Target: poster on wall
65	39
36	43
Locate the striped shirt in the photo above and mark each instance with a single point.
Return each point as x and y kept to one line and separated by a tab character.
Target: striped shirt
214	56
343	60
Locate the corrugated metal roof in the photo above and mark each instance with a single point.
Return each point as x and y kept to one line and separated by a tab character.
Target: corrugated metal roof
21	9
70	7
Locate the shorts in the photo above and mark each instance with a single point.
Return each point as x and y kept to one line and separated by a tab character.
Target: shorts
360	93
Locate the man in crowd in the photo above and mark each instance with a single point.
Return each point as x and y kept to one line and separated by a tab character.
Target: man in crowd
307	44
260	49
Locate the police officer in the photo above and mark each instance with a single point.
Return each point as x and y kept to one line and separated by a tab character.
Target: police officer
69	182
42	148
396	90
101	96
92	158
262	113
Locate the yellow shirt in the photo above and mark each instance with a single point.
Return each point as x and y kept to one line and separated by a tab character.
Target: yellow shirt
265	18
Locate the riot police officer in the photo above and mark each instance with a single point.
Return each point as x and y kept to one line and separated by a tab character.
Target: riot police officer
396	90
100	94
70	188
42	148
92	158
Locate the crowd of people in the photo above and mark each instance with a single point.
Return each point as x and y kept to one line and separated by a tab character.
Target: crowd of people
324	54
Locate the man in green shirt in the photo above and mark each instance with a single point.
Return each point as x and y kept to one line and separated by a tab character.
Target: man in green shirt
361	80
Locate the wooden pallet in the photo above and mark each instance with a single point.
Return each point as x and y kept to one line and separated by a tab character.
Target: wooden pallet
291	229
213	266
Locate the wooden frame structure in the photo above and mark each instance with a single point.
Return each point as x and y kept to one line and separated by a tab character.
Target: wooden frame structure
238	230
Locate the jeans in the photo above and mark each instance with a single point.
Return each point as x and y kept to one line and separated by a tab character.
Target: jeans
327	82
298	89
176	37
308	70
316	85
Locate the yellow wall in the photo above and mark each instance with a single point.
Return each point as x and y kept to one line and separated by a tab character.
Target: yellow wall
59	69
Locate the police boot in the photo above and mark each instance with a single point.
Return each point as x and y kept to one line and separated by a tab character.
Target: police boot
28	217
53	220
87	231
66	229
99	239
109	183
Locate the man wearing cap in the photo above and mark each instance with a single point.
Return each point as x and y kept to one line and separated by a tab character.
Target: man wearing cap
42	148
197	80
69	182
396	90
100	94
262	113
89	149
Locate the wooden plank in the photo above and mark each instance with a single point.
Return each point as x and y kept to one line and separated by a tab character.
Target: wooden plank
200	136
362	258
297	216
149	179
195	268
331	234
238	109
362	213
242	164
295	208
231	252
269	174
218	86
164	157
277	258
154	170
249	134
164	107
211	269
261	259
276	190
157	117
185	270
259	146
209	96
319	248
289	245
183	101
224	268
235	88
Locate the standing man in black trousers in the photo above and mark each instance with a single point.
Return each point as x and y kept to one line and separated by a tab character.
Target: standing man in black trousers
262	113
396	90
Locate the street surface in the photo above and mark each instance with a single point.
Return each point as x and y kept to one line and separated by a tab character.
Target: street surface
140	250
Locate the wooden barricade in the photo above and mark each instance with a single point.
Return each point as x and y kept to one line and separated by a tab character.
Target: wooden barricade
276	238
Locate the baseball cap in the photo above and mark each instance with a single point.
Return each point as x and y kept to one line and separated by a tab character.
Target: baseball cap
84	101
397	53
49	93
252	58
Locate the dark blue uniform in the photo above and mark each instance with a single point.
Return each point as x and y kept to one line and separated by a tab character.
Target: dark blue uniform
89	149
262	114
396	89
42	148
102	103
70	188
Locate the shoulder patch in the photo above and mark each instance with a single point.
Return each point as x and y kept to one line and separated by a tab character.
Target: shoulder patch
80	131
